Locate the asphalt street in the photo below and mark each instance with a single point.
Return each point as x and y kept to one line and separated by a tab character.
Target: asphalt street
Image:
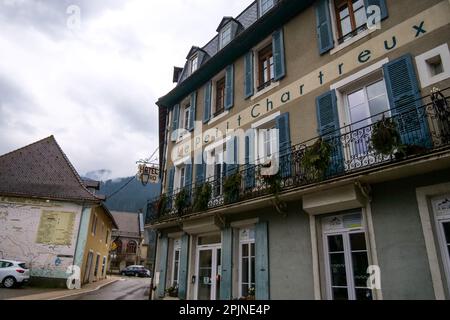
124	289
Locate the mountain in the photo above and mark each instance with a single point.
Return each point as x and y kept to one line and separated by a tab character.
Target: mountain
99	175
131	198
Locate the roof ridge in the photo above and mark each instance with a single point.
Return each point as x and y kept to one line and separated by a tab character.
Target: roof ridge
28	145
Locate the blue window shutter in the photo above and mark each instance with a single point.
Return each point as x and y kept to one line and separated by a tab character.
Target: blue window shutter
164	246
227	264
249	76
262	261
379	3
193	111
249	160
175	120
170	180
284	135
328	120
229	87
207	103
200	171
231	156
405	101
324	27
182	279
278	55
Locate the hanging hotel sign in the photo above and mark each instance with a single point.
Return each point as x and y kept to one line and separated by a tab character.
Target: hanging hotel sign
148	173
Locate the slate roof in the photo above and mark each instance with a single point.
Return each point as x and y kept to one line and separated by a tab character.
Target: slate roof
42	170
128	224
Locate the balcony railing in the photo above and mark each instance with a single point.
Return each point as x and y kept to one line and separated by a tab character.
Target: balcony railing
374	142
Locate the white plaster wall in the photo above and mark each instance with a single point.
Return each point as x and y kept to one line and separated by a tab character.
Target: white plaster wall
19	223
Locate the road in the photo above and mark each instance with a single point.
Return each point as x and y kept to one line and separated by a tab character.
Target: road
124	289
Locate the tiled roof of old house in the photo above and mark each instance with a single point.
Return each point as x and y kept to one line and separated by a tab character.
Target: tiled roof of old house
42	170
128	223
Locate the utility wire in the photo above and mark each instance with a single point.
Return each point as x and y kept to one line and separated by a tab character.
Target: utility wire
120	189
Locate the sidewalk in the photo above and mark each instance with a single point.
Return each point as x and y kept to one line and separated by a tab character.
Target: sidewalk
46	294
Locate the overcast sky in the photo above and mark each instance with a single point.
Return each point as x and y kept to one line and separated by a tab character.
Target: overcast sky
95	87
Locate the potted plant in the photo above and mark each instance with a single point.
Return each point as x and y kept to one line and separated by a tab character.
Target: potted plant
172	292
250	294
407	150
385	137
182	200
202	197
316	159
231	188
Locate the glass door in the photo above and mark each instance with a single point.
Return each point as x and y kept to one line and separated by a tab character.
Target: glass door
208	273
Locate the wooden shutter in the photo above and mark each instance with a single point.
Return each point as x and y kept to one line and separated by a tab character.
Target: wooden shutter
231	156
250	160
229	87
164	246
170	180
227	264
284	135
184	259
261	262
405	101
379	3
328	119
175	121
249	75
324	27
278	55
193	111
207	103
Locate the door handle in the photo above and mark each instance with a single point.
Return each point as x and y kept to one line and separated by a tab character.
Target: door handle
193	279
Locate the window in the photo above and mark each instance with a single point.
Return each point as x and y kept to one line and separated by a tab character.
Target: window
186	117
366	106
268	142
218	173
131	247
351	18
118	243
182	177
194	64
346	258
441	208
94	224
176	263
104	266
434	65
265	67
246	262
220	96
107	236
225	36
264	6
97	261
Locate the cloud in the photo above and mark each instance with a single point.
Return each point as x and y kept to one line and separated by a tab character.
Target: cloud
95	88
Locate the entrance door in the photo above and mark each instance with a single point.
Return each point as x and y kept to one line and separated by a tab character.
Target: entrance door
87	271
208	273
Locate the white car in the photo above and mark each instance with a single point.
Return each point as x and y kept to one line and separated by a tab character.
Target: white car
13	273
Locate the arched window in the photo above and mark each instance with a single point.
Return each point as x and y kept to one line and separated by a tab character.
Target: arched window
131	247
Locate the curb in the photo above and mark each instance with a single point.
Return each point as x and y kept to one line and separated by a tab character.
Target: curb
84	292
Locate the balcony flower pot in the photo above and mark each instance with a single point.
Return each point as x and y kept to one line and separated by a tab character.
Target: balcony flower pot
405	151
385	138
202	197
231	188
172	292
316	159
182	200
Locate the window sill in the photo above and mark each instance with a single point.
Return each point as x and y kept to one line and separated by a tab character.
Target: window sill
352	40
265	90
220	116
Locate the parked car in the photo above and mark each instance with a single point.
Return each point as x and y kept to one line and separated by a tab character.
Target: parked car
136	271
13	273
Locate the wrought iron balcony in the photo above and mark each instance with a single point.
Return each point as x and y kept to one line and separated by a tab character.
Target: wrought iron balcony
375	142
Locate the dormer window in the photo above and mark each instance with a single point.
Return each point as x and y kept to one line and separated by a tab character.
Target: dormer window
265	5
194	64
225	36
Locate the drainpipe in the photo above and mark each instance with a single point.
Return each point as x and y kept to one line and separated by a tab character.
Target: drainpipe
152	282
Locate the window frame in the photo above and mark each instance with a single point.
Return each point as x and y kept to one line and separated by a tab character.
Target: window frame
219	84
226	29
176	248
261	8
355	30
349	271
94	224
263	55
192	64
135	247
246	242
442	241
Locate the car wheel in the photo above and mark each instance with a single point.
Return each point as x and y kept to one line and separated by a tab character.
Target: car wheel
9	282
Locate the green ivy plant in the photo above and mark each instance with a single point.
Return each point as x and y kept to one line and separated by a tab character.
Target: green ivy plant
162	205
182	200
385	137
202	196
273	182
316	159
231	188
